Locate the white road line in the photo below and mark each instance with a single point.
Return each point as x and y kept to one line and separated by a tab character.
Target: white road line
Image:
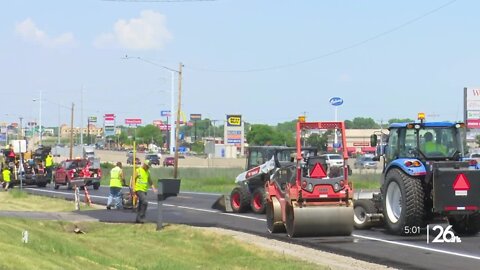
264	220
418	247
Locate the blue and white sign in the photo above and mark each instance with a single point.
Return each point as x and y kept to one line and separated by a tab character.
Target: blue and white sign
165	113
336	101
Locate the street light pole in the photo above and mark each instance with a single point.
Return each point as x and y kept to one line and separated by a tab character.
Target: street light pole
179	72
21	128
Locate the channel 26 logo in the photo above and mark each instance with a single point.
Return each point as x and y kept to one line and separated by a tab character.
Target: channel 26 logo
444	235
440	234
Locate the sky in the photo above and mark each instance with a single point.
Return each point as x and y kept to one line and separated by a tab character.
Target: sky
269	60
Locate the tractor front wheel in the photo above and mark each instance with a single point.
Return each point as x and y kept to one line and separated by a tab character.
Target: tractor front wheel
403	202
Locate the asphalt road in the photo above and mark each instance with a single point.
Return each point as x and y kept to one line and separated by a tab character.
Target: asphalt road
373	245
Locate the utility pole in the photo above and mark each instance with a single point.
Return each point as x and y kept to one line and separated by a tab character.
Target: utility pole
177	129
71	132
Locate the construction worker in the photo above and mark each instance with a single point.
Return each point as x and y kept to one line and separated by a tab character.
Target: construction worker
48	166
143	179
431	146
6	177
116	182
10	154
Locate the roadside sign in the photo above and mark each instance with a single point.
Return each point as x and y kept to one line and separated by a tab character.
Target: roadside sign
234	120
166	113
195	116
336	101
109	117
133	121
92	119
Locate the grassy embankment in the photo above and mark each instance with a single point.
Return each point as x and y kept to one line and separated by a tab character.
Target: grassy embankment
15	200
222	180
54	245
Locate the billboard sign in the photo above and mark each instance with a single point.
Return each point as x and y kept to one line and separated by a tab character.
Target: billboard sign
195	116
234	120
336	101
165	113
109	124
133	121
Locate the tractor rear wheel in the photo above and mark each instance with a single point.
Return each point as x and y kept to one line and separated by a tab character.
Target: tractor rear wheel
403	202
258	200
466	224
360	210
239	200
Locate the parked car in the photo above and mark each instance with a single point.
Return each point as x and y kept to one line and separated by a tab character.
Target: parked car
365	162
169	161
79	172
130	161
333	159
154	160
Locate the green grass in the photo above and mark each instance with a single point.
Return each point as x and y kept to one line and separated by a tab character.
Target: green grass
216	180
365	181
222	180
16	200
53	245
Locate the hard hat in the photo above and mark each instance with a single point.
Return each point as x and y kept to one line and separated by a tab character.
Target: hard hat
147	162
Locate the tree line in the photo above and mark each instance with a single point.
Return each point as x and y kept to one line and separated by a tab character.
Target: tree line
256	134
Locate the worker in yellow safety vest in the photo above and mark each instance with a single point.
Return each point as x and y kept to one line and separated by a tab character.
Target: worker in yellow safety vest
116	182
430	146
48	167
141	186
6	177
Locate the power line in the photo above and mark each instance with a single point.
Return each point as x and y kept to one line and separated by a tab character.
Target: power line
334	52
165	1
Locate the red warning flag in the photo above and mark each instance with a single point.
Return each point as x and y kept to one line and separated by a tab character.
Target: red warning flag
461	182
318	171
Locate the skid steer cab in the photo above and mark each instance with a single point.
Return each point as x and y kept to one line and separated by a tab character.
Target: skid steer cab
312	197
250	194
425	178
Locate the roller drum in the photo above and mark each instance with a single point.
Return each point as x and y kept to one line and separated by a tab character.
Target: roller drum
274	216
319	221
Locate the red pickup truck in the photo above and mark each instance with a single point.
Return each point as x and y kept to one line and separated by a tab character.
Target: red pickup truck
79	172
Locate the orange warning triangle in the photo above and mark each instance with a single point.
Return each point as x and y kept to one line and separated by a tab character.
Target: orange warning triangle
317	171
461	182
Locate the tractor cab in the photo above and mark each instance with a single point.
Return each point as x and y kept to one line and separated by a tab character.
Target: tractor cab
423	141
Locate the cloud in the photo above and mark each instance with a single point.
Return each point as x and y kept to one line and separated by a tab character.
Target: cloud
149	31
30	32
